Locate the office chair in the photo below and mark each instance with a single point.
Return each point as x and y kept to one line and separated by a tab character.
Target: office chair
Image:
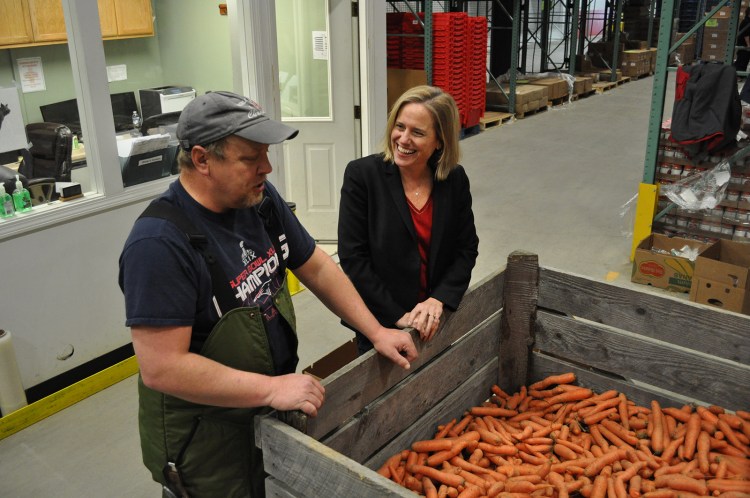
48	160
167	120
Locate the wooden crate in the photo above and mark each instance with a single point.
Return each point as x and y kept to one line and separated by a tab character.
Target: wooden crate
514	328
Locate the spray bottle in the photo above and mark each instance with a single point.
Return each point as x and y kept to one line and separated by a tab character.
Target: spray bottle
21	197
6	203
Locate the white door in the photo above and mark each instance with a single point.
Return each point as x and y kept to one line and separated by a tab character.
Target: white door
317	77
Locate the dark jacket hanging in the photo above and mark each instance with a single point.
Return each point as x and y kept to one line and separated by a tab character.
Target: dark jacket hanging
707	112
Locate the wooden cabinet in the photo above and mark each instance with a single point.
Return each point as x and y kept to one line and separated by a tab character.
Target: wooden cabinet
134	18
16	26
41	22
107	18
47	21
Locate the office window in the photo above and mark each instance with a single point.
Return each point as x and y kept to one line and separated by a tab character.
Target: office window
167	49
304	69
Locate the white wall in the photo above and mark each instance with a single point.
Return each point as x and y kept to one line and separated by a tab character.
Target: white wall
61	290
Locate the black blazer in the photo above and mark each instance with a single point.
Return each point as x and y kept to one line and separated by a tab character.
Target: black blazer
377	242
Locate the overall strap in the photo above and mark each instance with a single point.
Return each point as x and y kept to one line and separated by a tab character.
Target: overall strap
219	283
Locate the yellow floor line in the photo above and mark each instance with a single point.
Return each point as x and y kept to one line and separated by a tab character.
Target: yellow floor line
39	410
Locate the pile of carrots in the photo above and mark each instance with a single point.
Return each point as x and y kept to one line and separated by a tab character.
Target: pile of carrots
553	439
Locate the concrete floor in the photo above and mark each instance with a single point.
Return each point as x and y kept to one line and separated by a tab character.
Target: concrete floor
553	183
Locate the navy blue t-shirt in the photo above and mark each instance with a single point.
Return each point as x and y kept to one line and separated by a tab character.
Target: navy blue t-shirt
166	282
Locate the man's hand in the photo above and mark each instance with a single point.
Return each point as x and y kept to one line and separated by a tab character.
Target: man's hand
397	346
296	392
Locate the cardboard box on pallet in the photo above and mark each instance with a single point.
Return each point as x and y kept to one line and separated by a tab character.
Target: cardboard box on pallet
582	84
654	264
524	94
557	88
722	276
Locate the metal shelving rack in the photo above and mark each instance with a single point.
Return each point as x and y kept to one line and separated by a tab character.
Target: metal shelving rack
648	192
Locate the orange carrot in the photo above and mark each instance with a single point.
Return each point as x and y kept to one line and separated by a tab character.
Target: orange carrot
599	489
411	482
724	485
576	395
660	493
441	456
599	416
471	492
732	438
444	430
565	378
681	482
620	431
703	446
622	410
678	414
432	445
598	464
480	411
448	478
429	489
657	436
459	427
743	414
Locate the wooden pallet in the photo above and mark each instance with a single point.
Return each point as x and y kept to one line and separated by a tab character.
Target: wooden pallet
604	86
624	79
639	76
582	95
556	102
521	115
492	118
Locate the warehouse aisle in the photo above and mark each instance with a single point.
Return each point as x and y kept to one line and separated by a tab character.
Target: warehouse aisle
553	183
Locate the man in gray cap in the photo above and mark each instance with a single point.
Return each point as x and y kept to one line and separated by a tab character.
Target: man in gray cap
203	274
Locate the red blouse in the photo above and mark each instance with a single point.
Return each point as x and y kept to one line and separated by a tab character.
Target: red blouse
423	225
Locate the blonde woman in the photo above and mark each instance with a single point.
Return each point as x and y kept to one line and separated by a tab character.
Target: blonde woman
406	234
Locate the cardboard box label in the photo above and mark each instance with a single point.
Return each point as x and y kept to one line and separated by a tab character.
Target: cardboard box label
654	264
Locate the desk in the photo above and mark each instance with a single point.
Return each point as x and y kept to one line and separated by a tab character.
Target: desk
79	155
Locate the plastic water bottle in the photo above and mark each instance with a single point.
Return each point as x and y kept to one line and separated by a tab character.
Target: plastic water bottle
136	120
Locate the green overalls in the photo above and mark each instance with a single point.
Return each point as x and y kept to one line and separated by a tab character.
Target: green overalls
214	448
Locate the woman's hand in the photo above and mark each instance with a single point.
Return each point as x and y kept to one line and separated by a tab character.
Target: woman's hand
425	317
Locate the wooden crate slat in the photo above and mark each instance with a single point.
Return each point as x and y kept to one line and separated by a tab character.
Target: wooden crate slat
473	392
357	384
310	469
403	405
668	319
277	489
642	359
642	394
520	294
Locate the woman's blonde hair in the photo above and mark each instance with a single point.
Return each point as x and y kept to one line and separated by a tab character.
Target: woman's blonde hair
445	119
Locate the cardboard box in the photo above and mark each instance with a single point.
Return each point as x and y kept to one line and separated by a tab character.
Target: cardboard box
333	361
557	88
524	94
400	80
652	267
582	84
722	276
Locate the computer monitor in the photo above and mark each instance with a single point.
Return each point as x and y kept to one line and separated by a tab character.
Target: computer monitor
123	105
66	112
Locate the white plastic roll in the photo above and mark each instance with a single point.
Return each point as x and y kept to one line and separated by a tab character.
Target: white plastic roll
12	395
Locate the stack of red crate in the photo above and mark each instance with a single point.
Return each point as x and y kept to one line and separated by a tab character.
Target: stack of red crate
412	47
393	29
476	50
449	62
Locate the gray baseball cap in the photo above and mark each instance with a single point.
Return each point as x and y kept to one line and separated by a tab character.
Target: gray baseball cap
215	115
